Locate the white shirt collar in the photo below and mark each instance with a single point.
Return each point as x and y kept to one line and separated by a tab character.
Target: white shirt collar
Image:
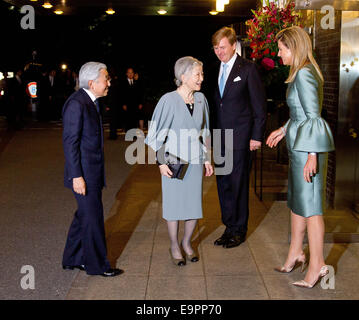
91	95
230	63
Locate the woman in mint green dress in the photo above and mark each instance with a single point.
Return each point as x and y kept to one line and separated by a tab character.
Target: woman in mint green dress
309	139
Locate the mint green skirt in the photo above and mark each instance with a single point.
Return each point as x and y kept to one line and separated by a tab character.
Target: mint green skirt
305	199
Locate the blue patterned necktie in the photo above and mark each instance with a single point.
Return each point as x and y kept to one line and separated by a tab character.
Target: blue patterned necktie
222	80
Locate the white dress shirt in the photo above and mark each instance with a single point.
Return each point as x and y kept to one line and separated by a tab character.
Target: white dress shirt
51	78
229	64
92	96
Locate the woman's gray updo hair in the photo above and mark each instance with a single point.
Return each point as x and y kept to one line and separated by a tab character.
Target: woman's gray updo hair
184	65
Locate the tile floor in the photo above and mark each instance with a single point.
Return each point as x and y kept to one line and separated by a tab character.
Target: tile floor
138	243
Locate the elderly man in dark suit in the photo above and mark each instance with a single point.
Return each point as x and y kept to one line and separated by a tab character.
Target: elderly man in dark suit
239	105
84	173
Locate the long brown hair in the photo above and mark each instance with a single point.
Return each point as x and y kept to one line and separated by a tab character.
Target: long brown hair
300	45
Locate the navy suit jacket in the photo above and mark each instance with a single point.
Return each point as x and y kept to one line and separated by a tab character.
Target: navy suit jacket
83	141
243	104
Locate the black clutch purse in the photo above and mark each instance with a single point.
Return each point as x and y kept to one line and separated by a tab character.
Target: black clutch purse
177	166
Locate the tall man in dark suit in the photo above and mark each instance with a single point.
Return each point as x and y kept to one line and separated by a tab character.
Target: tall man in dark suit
239	105
84	173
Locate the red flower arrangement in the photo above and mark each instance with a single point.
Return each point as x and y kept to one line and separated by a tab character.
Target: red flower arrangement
267	21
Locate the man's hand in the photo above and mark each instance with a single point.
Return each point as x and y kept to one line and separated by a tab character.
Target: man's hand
79	185
254	145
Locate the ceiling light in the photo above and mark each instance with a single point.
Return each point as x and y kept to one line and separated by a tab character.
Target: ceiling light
47	5
213	12
219	6
110	11
161	11
64	66
58	11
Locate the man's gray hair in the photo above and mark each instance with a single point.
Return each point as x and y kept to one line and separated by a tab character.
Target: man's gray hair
89	71
184	65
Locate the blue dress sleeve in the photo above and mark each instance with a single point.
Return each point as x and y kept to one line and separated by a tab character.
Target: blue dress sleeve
314	134
206	133
161	122
286	125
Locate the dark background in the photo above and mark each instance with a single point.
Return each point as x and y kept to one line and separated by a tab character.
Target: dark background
151	44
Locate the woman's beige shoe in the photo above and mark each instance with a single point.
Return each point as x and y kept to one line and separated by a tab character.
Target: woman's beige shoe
300	259
192	257
303	284
177	262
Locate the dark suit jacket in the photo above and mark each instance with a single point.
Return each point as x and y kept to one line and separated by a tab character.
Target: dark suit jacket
243	104
83	141
17	92
132	96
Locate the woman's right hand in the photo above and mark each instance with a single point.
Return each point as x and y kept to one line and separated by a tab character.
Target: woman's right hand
275	137
165	171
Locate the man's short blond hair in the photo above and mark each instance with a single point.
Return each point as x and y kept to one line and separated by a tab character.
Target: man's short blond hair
224	32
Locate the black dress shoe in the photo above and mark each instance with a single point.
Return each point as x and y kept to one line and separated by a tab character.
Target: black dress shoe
235	241
222	240
80	267
112	273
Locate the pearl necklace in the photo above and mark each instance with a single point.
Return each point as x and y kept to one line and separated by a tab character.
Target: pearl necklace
187	99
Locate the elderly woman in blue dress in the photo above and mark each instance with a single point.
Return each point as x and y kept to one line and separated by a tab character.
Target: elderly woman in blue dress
179	127
309	139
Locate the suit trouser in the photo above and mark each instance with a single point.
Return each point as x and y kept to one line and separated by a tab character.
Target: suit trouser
86	243
233	193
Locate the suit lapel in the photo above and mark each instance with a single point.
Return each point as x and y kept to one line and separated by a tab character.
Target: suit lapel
217	86
234	73
92	106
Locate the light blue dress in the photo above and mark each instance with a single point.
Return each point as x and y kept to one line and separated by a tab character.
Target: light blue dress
181	199
307	132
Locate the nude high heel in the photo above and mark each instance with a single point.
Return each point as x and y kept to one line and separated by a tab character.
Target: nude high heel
303	284
194	257
178	262
300	259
